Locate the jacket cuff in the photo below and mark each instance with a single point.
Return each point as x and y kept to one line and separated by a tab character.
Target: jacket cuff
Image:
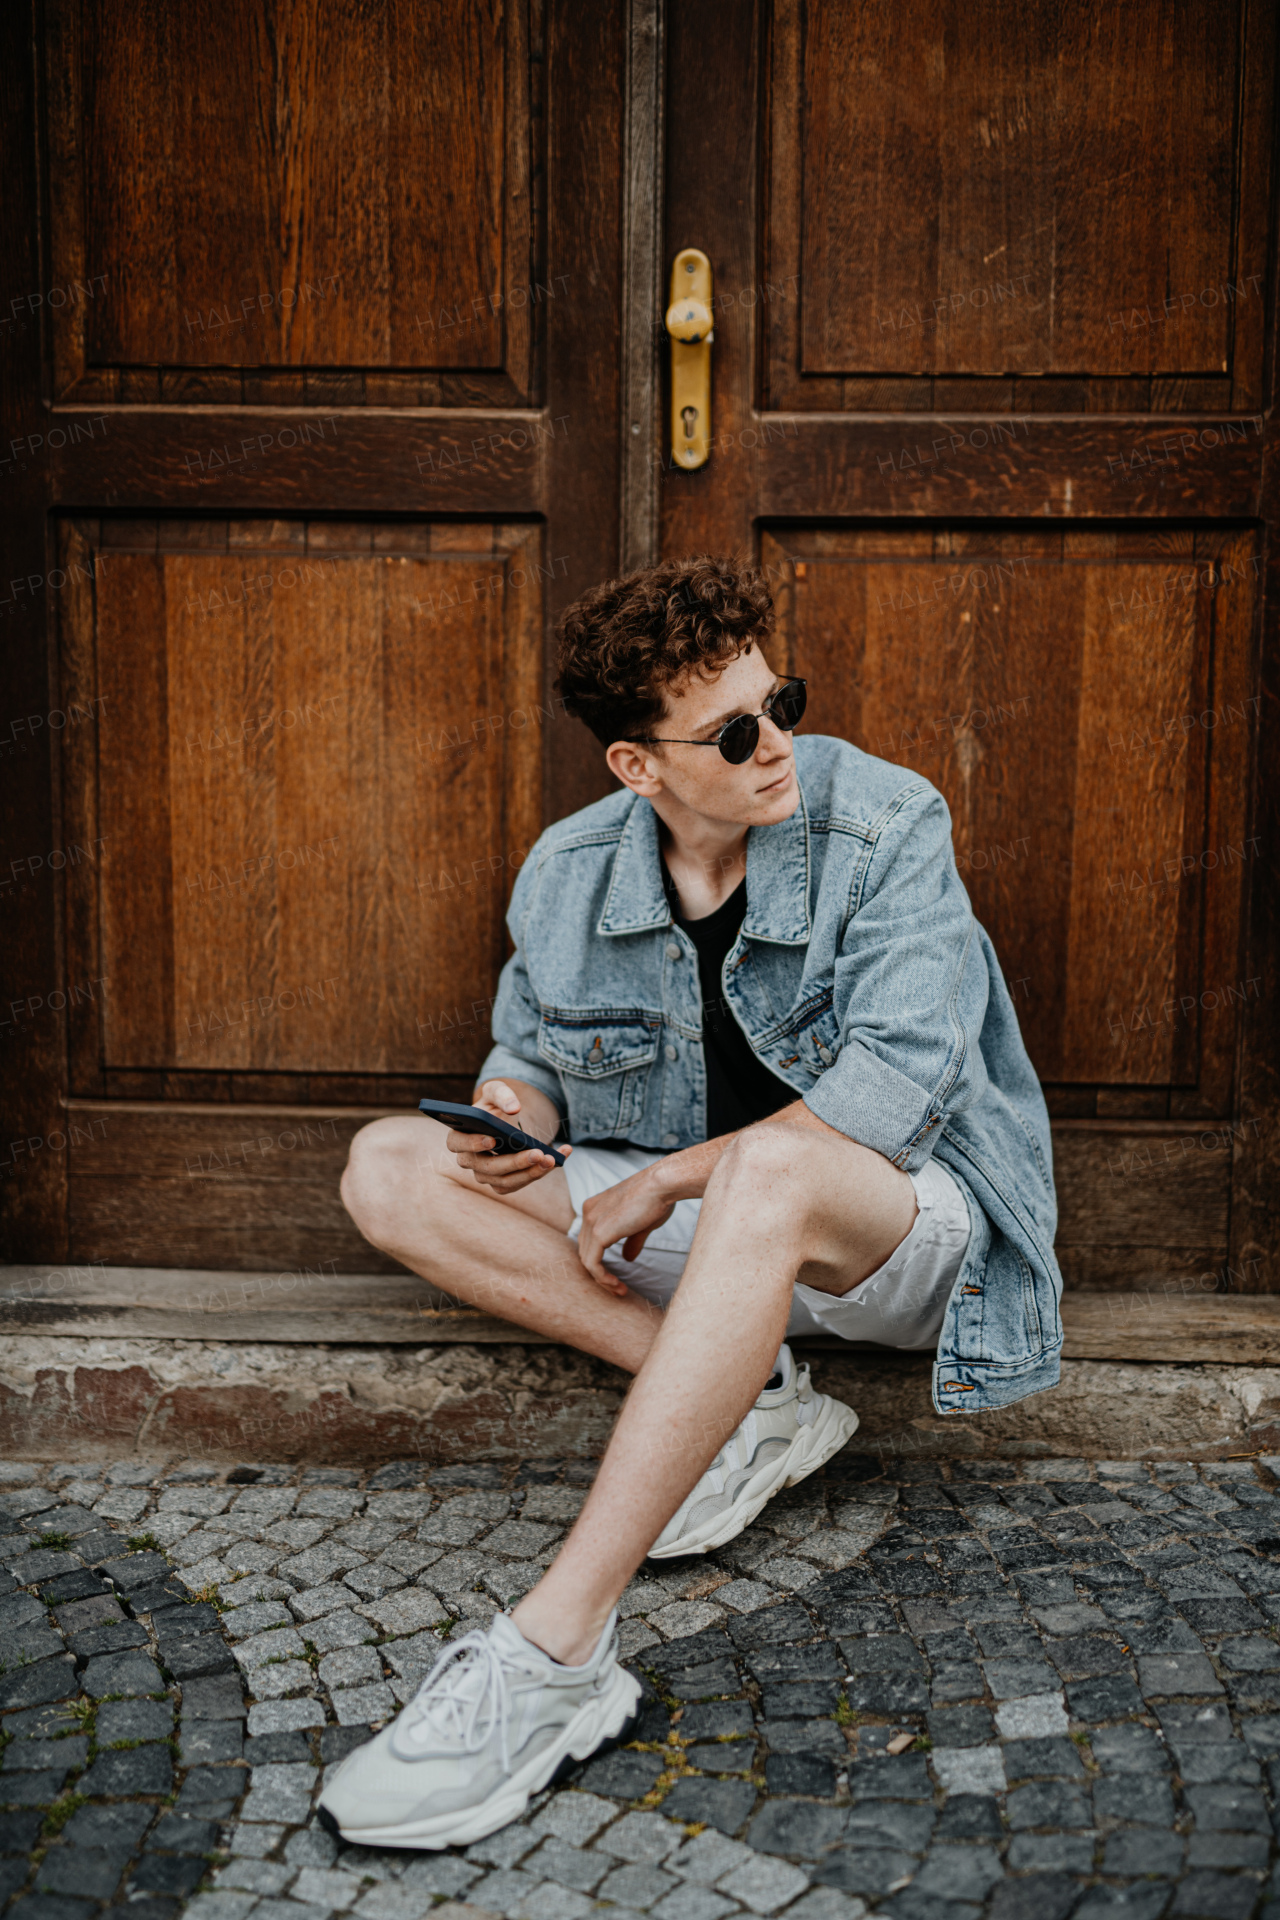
502	1064
878	1107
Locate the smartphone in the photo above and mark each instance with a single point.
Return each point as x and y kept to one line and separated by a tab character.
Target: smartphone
476	1120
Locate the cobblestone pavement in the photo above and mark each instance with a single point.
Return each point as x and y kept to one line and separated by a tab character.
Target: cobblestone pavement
940	1690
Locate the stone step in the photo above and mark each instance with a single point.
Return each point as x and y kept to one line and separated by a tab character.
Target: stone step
327	1367
317	1305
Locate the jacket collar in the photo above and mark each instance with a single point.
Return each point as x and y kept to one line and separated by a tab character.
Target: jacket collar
777	880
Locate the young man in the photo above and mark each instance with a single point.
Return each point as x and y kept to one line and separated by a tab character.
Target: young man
750	989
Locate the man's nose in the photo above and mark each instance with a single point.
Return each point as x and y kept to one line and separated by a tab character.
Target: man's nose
772	739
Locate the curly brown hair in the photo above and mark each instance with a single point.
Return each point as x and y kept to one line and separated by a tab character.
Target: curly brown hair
624	642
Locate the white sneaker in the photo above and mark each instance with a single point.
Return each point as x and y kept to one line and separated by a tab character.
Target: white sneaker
789	1433
490	1726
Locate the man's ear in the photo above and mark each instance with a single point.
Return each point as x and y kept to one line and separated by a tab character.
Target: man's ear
636	766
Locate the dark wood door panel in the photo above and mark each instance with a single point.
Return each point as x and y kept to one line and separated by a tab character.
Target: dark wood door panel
310	770
1084	701
1016	207
214	1188
1142	1185
286	204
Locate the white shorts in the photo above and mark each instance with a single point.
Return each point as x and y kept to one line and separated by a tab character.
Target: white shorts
900	1305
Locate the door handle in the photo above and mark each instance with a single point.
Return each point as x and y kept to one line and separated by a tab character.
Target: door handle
689	324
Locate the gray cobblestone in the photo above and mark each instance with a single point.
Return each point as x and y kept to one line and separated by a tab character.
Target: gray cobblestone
255	1876
197	1500
350	1666
550	1901
317	1564
294	1535
441	1873
633	1885
448	1528
280	1793
272	1682
329	1503
260	1648
242	1623
763	1884
394	1903
574	1817
409	1558
284	1716
504	1891
324	1888
404	1613
461	1572
311	1847
255	1842
642	1837
503	1848
373	1578
694	1903
580	1868
287	1910
221	1906
360	1706
825	1903
313	1602
707	1857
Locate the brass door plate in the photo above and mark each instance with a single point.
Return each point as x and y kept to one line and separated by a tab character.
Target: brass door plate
690	328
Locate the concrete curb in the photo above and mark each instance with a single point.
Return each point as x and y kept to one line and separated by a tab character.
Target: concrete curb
465	1402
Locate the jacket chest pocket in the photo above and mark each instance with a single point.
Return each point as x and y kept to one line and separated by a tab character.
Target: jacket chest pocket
811	1038
603	1061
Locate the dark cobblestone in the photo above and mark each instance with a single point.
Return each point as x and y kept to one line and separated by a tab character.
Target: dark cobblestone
1049	1758
1048	1804
1215	1895
138	1770
1146	1799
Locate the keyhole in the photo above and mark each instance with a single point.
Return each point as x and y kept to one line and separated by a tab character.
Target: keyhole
690	417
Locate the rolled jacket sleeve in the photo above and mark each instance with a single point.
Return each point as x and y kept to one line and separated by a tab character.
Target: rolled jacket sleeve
516	1014
910	994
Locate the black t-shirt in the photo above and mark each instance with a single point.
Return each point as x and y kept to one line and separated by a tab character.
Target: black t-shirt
740	1088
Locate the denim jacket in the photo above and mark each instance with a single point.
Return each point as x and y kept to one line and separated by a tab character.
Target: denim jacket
860	977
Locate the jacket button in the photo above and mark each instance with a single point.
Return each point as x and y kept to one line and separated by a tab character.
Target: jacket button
673	951
673	1053
671	1139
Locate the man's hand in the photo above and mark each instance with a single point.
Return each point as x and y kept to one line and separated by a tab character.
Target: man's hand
628	1212
508	1172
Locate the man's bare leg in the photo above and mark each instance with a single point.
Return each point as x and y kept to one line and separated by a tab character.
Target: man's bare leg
784	1203
507	1254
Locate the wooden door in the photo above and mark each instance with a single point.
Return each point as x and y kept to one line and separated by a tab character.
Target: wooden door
313	378
992	408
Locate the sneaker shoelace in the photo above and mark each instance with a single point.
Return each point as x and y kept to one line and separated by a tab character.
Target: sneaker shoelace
463	1707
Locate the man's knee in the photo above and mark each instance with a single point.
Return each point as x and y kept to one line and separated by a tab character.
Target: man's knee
386	1167
764	1159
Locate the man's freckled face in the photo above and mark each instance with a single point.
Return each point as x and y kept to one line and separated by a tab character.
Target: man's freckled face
759	793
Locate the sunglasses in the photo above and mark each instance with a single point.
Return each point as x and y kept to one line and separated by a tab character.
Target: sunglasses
738	738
